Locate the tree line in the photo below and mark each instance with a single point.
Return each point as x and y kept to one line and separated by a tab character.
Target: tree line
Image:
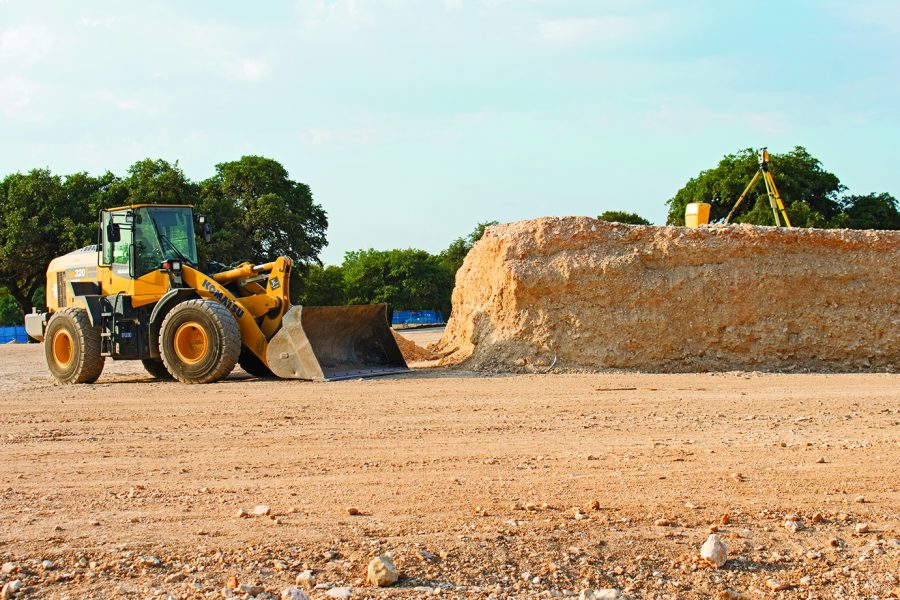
258	212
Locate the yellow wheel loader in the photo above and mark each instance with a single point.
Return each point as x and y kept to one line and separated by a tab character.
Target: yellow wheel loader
140	295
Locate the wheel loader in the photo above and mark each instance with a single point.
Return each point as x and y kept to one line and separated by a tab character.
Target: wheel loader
139	294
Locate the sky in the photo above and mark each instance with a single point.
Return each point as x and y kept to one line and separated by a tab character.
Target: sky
412	121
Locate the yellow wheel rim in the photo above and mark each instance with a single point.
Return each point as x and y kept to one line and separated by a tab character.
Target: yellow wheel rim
63	348
191	342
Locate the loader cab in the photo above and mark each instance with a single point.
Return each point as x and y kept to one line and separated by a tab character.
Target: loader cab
136	240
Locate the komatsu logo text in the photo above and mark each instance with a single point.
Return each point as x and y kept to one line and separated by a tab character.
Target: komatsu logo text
222	298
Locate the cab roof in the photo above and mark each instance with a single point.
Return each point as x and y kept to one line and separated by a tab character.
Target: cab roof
129	206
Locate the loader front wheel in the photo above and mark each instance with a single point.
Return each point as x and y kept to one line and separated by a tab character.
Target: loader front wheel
156	368
199	341
72	347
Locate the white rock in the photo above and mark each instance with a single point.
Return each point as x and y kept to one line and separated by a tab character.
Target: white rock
47	564
261	510
343	593
10	589
793	525
714	551
605	594
150	561
307	579
292	593
8	567
382	572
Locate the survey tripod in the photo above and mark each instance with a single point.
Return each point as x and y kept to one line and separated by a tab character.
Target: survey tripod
771	191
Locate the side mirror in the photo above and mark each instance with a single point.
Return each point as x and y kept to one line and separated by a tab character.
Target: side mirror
205	227
113	234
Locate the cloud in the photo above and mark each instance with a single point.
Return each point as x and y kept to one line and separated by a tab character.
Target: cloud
124	104
608	29
252	69
17	99
105	22
26	44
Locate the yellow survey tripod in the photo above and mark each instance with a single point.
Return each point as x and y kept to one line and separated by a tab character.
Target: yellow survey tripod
771	191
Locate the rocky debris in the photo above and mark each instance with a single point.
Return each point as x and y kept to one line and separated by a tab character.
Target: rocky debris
730	594
250	589
10	589
341	593
292	593
793	524
528	293
352	511
411	351
426	556
306	578
714	551
9	567
862	528
261	510
860	499
381	572
47	565
242	514
662	522
232	582
150	561
175	578
776	586
604	594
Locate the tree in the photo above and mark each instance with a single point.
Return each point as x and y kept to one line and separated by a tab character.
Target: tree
43	217
405	279
620	216
452	258
258	212
809	192
152	181
323	286
871	211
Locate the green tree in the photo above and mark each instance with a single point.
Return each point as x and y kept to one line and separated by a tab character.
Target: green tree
809	192
323	286
43	216
258	213
151	181
405	279
452	258
871	211
620	216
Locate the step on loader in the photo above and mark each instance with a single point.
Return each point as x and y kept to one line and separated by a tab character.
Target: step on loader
140	295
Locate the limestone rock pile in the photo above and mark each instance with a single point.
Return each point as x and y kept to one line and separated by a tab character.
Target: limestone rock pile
575	292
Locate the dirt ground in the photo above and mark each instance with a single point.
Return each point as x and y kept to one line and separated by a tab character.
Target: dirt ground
478	486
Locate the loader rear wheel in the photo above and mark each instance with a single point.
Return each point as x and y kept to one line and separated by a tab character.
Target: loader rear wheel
199	341
72	347
251	363
156	367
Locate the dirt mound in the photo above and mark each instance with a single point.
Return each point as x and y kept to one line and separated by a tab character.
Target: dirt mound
411	351
575	292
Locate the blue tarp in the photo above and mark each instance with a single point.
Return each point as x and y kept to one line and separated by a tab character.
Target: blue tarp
17	332
417	317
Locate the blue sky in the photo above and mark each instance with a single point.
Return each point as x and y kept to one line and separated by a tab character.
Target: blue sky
414	120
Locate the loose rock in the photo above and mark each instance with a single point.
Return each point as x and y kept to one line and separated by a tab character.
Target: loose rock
261	510
307	579
292	593
714	551
604	594
730	594
382	572
175	578
352	511
342	593
10	589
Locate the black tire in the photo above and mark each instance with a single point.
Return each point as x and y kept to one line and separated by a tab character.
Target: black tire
72	347
251	363
156	367
199	341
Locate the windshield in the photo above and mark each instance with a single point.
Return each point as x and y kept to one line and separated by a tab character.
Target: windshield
162	233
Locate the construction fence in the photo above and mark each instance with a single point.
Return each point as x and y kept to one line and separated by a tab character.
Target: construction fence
15	333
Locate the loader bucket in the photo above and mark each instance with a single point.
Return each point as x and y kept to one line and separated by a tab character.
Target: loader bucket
325	343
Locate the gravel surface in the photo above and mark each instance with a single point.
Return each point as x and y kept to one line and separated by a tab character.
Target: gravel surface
472	486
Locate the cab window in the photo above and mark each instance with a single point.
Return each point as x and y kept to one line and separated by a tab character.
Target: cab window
117	254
